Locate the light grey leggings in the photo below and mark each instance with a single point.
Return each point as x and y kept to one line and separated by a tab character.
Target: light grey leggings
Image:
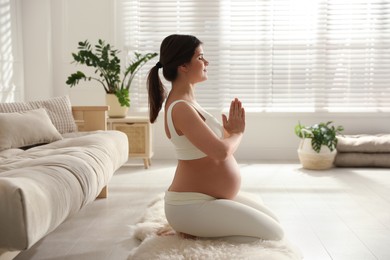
243	219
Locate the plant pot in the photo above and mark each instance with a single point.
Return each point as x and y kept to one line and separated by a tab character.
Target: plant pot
312	160
115	110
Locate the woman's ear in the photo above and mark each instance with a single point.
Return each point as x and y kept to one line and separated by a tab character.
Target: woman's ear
183	68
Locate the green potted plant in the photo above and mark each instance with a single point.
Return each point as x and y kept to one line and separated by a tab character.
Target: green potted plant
104	59
317	148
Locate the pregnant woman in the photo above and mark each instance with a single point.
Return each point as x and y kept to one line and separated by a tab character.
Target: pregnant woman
203	199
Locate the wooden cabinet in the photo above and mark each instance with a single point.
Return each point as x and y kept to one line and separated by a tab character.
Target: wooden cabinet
90	118
139	134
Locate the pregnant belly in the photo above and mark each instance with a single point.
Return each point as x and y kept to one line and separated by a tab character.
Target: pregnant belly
225	186
215	178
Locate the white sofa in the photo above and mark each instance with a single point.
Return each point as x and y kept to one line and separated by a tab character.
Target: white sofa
42	186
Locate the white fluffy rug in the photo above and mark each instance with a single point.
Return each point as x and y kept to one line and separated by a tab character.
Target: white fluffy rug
175	247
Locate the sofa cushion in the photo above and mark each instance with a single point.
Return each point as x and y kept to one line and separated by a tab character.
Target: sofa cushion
59	110
27	128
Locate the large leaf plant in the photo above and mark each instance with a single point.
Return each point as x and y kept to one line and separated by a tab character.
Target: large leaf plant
104	58
320	134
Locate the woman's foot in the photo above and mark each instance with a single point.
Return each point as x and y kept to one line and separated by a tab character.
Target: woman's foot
167	230
186	236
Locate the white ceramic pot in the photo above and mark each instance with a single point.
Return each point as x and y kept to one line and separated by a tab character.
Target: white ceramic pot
312	160
115	110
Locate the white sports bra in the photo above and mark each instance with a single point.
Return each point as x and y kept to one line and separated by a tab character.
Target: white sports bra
185	150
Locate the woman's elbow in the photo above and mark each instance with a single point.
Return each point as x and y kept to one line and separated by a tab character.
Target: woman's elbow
220	154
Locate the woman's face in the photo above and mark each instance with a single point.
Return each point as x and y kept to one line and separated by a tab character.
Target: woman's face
198	66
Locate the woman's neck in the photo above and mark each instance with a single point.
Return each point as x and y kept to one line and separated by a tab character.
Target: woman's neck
182	91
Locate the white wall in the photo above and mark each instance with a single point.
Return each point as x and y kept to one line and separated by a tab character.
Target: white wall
75	21
37	51
51	30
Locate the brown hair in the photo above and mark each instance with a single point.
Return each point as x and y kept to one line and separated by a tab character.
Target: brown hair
175	50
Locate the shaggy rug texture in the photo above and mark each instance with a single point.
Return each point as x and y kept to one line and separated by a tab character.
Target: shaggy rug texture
175	247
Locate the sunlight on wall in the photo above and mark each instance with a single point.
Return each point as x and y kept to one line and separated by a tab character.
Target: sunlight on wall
11	76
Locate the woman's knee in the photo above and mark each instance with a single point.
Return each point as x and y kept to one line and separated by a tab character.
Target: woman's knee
276	233
255	201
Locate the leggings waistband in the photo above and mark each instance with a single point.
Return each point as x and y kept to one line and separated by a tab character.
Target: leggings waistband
184	198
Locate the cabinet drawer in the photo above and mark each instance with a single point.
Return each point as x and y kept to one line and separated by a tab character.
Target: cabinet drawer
138	137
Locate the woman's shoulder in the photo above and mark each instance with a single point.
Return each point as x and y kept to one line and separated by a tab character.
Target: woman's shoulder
182	103
183	110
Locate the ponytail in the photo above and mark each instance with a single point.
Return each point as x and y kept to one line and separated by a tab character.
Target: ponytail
156	92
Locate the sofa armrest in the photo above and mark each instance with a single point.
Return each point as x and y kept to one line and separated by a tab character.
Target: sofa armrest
8	255
90	118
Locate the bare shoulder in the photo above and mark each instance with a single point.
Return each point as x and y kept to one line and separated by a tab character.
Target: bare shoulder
184	111
185	116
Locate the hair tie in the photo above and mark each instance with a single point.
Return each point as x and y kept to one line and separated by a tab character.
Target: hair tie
159	65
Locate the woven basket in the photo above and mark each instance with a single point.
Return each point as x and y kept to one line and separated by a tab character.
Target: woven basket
312	160
316	161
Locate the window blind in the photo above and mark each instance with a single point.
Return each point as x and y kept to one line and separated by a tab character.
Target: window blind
280	55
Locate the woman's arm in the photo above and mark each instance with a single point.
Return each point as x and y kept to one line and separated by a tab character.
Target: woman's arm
187	121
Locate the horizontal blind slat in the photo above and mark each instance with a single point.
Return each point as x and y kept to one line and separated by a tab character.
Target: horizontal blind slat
314	55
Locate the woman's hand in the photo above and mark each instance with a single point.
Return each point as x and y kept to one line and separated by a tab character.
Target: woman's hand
235	124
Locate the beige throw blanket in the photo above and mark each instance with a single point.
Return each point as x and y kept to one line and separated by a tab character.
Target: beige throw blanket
363	151
362	160
364	143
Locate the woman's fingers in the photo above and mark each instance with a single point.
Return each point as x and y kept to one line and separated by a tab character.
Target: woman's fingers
231	110
224	120
236	108
236	120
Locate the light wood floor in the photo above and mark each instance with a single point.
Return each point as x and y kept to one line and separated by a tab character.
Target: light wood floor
342	213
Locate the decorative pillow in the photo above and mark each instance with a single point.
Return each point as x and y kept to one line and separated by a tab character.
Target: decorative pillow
26	128
59	110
